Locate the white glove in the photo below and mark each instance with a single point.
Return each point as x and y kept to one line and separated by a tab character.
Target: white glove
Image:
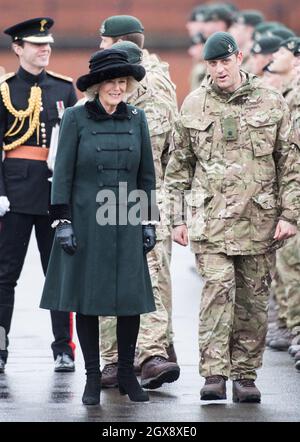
4	205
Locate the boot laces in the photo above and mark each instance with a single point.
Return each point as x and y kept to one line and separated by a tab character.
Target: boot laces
216	379
109	368
246	382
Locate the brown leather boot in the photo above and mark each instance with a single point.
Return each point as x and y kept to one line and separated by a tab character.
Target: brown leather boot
245	390
172	357
214	388
157	370
109	375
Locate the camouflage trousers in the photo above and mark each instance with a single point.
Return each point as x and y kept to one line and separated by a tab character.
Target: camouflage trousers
155	327
233	313
288	281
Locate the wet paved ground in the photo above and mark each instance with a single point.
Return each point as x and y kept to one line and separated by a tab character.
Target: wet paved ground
31	391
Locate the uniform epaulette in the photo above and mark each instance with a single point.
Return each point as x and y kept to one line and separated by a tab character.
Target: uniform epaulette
6	77
62	77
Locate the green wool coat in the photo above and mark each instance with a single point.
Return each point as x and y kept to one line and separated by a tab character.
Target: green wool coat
108	274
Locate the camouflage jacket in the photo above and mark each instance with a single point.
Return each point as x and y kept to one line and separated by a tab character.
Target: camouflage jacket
293	101
240	186
150	95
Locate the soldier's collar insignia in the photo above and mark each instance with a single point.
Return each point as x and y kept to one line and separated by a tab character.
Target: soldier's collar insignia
230	48
257	48
134	111
291	45
43	23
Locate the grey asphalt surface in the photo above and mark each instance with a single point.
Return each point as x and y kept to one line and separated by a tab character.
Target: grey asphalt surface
30	391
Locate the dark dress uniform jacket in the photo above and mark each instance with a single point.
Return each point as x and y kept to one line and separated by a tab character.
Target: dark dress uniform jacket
25	182
108	274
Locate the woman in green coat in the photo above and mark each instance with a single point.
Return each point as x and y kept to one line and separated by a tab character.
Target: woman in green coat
98	262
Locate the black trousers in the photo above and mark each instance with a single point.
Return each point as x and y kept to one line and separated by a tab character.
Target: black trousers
15	232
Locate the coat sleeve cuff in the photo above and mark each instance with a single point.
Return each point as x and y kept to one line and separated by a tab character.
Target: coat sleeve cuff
60	211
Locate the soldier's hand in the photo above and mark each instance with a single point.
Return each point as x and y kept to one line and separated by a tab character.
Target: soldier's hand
284	230
180	235
64	235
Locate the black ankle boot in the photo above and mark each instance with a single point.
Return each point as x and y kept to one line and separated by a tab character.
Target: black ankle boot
128	384
91	394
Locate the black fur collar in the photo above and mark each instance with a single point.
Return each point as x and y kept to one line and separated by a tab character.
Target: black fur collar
97	112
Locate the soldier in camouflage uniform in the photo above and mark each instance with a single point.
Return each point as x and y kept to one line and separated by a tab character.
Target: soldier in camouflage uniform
233	132
286	284
242	30
156	95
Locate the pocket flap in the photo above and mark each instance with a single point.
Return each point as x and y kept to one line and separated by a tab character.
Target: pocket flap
264	119
202	125
265	201
197	198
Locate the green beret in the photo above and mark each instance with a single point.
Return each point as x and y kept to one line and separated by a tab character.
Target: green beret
266	45
282	32
118	25
263	29
290	43
297	48
250	17
135	54
219	12
198	13
219	45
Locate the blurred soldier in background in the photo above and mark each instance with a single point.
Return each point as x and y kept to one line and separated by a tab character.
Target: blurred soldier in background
195	51
261	54
242	30
157	97
31	106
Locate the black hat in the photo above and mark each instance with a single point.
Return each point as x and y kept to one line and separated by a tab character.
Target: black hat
266	45
35	30
219	45
107	65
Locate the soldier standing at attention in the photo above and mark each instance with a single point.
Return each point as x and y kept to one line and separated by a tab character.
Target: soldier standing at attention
32	102
234	133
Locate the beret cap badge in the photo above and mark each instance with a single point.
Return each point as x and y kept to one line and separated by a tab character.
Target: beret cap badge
230	48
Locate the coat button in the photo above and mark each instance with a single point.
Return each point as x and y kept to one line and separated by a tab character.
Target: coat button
130	131
100	167
100	184
94	132
98	149
130	149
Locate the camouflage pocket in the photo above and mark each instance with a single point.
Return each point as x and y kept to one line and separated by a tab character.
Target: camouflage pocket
201	134
263	138
198	208
264	217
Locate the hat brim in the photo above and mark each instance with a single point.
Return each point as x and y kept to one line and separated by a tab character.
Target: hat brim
39	39
109	73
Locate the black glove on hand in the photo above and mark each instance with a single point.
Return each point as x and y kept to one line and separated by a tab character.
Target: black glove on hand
149	237
65	236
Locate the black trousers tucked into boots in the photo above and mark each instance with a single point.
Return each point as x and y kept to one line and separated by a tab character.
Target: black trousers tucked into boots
15	232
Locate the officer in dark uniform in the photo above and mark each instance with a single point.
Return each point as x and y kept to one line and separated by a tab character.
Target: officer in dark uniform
32	102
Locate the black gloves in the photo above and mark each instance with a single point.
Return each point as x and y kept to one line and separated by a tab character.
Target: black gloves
149	237
65	237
